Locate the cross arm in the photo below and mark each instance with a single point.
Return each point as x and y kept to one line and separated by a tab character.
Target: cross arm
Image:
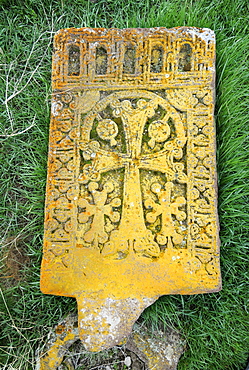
163	161
100	161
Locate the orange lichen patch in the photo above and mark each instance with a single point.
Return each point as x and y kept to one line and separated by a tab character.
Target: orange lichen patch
131	202
66	333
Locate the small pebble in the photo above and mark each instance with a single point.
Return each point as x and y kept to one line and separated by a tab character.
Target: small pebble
127	361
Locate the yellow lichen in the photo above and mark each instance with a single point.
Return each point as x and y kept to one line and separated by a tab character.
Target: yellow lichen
131	193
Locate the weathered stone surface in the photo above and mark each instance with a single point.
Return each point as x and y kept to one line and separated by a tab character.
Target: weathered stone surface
131	190
157	350
145	349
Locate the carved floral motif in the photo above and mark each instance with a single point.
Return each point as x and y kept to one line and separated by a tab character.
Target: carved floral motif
167	235
98	209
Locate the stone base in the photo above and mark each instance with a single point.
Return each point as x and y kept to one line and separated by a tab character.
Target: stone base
143	349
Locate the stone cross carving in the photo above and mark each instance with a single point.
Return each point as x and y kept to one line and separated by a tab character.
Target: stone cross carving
131	191
133	121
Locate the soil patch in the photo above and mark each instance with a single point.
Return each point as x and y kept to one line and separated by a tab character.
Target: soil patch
14	259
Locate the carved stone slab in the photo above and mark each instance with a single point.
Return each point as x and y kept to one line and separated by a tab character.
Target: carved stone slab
131	190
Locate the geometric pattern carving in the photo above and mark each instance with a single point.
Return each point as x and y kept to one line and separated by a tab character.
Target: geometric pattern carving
131	201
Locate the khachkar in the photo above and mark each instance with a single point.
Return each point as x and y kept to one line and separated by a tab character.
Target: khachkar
131	191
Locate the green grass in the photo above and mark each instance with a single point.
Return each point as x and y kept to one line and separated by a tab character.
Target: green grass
215	326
